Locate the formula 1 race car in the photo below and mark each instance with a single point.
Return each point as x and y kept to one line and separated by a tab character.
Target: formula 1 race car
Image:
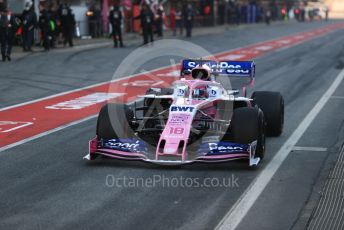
196	120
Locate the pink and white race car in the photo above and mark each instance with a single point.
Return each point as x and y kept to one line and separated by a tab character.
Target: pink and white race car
195	120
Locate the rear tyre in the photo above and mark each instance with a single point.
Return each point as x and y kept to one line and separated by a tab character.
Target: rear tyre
113	122
272	105
248	125
159	91
156	92
157	103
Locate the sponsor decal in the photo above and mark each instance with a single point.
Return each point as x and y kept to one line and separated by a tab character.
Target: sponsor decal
185	109
8	126
179	119
218	148
85	101
181	91
223	147
125	145
230	68
192	64
212	91
224	67
237	71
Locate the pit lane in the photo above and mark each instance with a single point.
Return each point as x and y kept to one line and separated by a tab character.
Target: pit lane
45	182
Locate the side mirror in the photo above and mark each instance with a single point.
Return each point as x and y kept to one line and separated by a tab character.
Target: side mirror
185	72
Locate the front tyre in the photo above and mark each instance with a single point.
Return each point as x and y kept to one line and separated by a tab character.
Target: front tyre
248	125
272	105
113	122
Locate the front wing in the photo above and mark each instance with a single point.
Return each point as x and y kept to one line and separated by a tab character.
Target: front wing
133	149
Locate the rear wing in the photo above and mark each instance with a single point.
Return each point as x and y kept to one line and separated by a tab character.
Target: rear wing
227	68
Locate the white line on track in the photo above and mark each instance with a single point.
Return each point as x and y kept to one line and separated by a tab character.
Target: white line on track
72	123
337	97
46	133
80	89
239	210
310	149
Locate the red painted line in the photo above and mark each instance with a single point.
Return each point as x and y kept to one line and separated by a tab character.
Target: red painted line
25	121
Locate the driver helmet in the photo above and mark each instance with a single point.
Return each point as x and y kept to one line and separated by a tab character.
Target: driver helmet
202	72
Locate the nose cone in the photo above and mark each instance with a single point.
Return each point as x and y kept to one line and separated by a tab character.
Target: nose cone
171	148
176	132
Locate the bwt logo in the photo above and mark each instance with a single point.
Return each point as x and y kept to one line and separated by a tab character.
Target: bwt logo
182	109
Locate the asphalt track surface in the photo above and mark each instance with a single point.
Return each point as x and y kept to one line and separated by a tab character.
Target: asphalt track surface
45	184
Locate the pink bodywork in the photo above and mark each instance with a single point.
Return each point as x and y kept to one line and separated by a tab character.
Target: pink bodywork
178	129
178	126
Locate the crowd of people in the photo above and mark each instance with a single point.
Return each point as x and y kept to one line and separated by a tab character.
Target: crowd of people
51	24
58	26
8	25
152	22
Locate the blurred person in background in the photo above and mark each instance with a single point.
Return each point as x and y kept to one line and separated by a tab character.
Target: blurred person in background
67	21
303	14
8	27
159	20
29	23
188	19
237	13
115	19
45	26
297	13
94	19
310	14
326	12
179	22
268	16
147	19
173	20
53	26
